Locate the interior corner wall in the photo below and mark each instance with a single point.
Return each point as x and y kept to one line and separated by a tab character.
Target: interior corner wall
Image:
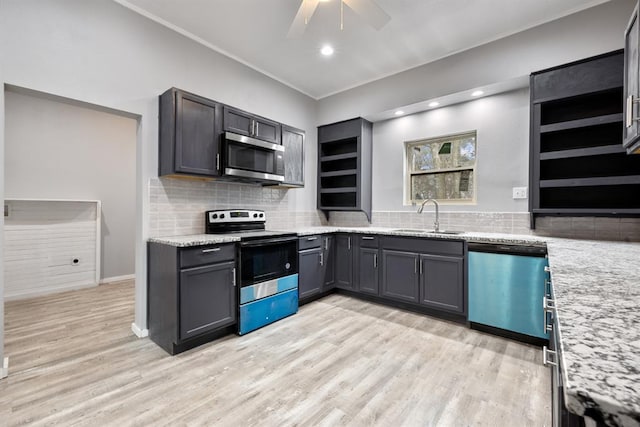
1	225
502	162
587	33
55	150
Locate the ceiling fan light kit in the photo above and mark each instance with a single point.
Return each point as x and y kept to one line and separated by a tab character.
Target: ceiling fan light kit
368	10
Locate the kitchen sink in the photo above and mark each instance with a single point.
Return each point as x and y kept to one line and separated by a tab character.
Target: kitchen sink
416	230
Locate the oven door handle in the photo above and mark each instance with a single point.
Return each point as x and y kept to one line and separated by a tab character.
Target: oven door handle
268	241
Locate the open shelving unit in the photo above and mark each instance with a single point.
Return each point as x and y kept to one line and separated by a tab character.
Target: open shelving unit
578	165
344	166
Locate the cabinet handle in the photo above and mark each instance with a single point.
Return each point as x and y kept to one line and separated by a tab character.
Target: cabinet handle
421	267
547	308
547	288
321	258
206	251
311	239
218	162
545	357
326	243
415	265
349	243
547	269
233	277
368	237
257	128
375	260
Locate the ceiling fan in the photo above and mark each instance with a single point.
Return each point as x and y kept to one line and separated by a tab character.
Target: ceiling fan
367	9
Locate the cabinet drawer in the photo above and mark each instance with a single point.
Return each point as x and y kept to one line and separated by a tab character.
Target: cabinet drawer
209	254
424	245
309	242
368	240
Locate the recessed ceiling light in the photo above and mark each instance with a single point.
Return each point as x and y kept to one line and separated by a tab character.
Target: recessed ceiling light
434	104
399	113
477	93
326	50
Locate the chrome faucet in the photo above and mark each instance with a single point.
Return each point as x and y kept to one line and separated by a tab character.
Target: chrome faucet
436	225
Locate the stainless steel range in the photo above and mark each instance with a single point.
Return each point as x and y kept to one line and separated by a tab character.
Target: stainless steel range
268	261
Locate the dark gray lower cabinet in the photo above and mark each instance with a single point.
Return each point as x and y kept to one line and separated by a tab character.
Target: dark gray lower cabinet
442	282
329	262
400	275
344	261
207	298
368	271
310	272
192	294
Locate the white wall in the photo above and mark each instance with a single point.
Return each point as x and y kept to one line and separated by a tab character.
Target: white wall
587	33
102	53
54	150
502	125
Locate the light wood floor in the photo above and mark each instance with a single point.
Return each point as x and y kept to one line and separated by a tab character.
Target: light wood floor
339	361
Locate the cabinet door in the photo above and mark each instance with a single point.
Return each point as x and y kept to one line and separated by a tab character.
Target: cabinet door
368	271
329	262
343	262
631	90
238	121
442	282
400	275
266	130
310	268
207	298
293	142
197	135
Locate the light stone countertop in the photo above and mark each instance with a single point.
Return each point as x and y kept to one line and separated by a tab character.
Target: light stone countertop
597	296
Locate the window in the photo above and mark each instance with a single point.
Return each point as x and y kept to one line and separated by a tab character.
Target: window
442	168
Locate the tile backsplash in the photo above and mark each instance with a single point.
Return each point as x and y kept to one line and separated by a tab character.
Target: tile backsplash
177	206
595	228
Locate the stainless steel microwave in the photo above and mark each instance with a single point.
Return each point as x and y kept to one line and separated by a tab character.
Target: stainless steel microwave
250	159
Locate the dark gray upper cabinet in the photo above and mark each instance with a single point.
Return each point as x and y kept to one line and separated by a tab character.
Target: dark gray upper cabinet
189	134
578	165
344	166
207	298
344	261
442	282
248	124
293	142
400	275
310	272
631	136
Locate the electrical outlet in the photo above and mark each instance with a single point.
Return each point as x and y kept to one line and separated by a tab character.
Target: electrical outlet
519	192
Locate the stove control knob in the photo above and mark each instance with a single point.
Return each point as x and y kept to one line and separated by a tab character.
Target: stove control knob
261	215
214	216
255	215
221	216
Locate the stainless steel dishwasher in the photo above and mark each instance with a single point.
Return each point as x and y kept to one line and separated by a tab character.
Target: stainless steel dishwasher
506	287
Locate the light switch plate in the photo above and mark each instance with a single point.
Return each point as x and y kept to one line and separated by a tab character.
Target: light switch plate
519	192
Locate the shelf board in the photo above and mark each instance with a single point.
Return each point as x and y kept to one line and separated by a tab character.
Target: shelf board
338	157
338	190
340	173
582	152
588	182
585	211
580	123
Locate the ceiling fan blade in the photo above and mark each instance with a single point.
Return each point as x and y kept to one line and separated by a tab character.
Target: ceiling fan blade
370	12
305	12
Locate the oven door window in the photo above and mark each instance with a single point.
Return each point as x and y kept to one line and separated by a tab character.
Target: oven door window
269	261
251	158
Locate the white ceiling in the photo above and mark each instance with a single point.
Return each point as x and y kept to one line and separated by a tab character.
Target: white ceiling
420	31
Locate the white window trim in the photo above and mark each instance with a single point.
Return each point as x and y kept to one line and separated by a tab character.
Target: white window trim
407	201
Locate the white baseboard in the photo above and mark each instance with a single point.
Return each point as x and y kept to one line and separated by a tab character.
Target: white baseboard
38	292
4	371
140	333
113	279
